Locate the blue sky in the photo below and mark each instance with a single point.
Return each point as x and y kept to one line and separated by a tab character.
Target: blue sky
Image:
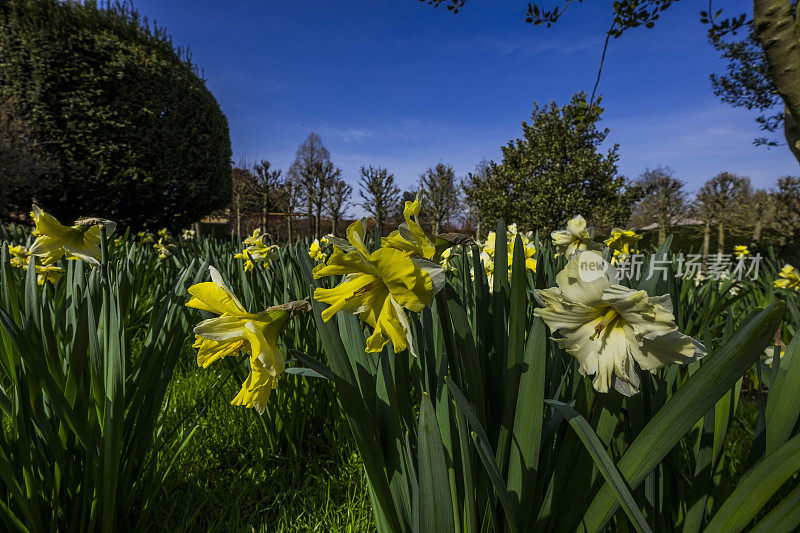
398	84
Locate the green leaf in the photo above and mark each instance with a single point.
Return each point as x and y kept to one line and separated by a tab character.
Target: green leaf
435	506
523	463
783	403
756	489
603	462
699	394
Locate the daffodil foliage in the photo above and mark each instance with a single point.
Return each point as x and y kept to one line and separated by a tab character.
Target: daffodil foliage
558	397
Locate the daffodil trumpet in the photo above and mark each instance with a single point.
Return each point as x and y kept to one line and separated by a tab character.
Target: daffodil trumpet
378	286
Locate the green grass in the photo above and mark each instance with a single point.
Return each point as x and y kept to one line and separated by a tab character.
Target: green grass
229	480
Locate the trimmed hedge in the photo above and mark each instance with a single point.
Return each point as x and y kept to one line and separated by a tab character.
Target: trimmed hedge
137	135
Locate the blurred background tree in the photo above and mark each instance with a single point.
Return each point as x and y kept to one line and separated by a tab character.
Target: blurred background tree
339	194
134	134
379	194
312	171
718	203
664	200
267	180
244	196
440	195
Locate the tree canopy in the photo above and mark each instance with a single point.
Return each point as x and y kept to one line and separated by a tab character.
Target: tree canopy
133	131
555	171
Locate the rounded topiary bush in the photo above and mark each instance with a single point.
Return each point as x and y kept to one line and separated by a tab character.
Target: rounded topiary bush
137	136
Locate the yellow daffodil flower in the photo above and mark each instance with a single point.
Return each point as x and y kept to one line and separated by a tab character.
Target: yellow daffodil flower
576	238
236	330
409	237
256	239
163	233
145	237
790	279
621	243
49	273
378	287
314	251
162	248
188	234
610	329
19	256
258	253
81	241
741	251
45	269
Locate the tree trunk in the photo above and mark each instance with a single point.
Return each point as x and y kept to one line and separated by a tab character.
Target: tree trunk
757	231
775	28
478	232
198	235
265	214
706	243
289	229
436	227
379	222
238	223
334	223
721	238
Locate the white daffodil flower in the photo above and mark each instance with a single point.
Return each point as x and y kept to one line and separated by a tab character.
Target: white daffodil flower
576	238
611	329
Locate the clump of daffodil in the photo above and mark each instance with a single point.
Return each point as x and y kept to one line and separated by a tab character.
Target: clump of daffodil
740	251
621	243
163	248
576	238
256	251
315	252
164	233
18	256
81	241
410	238
145	237
378	287
234	331
611	329
45	268
489	246
789	279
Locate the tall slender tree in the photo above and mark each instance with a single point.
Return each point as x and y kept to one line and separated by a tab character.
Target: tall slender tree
267	181
378	192
289	199
664	200
339	194
717	202
440	194
243	195
787	204
307	171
